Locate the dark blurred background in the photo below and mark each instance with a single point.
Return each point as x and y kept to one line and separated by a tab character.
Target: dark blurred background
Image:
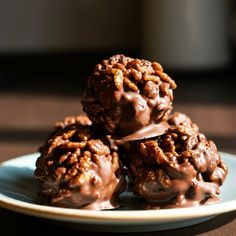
49	47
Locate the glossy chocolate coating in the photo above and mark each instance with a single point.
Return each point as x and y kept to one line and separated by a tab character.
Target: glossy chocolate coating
177	169
125	95
78	169
128	102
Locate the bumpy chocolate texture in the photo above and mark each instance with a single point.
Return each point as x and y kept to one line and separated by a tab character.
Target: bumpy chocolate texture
125	94
180	168
71	120
77	169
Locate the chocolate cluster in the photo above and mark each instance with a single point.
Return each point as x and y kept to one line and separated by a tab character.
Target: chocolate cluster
179	168
128	102
77	168
125	94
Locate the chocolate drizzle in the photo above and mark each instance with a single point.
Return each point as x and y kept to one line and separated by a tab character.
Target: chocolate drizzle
149	131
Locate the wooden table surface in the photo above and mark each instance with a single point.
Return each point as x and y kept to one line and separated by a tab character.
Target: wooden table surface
26	120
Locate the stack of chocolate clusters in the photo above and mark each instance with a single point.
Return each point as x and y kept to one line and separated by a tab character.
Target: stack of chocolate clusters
129	126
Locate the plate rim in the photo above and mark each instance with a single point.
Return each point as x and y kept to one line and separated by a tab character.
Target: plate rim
115	217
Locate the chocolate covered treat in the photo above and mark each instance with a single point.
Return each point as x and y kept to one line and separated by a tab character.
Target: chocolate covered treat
180	168
128	104
78	169
125	95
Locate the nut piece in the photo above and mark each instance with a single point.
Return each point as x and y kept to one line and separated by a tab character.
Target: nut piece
130	85
118	78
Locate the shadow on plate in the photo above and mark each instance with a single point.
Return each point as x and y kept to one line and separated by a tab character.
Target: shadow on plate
210	225
18	183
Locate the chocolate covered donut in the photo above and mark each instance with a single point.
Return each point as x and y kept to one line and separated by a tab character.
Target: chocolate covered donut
78	169
124	95
180	168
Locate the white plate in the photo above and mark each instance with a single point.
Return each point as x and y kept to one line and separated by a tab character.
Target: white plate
18	192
